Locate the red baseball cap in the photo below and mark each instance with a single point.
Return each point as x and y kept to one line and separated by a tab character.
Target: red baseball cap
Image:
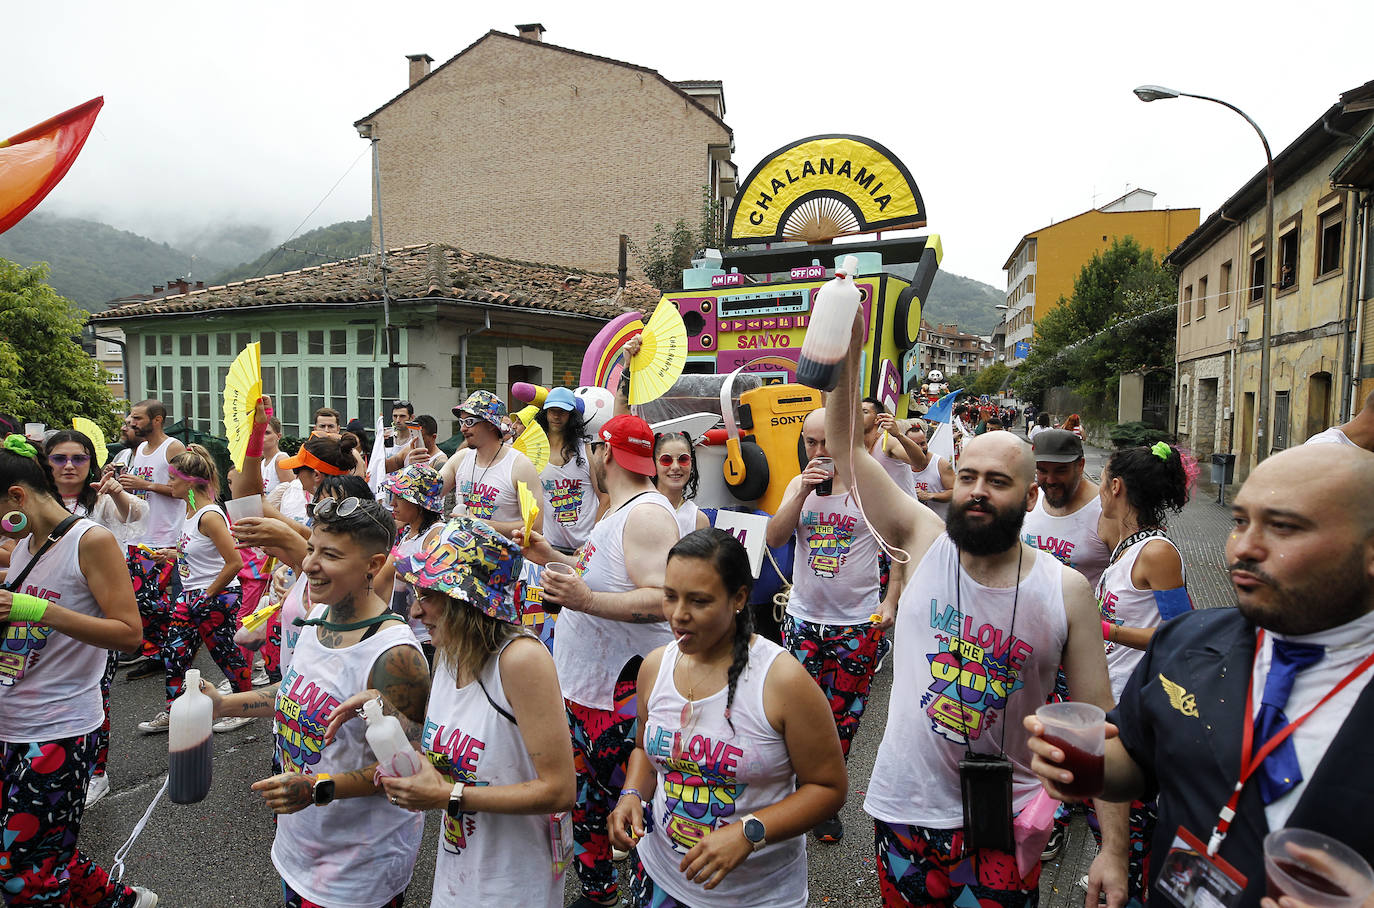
632	443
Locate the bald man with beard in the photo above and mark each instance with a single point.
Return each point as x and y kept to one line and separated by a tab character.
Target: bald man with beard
1301	561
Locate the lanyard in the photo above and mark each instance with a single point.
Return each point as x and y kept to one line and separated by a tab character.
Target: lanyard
1248	765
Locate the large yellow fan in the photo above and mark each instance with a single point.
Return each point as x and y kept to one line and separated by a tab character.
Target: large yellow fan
661	356
242	389
529	508
89	429
534	444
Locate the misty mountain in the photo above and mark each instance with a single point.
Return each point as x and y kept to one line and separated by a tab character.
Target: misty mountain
958	300
343	240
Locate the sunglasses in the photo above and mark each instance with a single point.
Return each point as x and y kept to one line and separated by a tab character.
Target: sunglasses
76	460
666	460
329	509
467	422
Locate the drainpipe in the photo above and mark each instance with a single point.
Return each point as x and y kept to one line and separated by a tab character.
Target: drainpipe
463	351
1366	264
1354	308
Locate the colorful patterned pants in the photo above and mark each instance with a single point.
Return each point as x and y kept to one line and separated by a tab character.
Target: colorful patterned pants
271	650
644	893
1142	818
294	899
842	658
197	619
102	734
602	741
42	796
253	589
928	867
155	587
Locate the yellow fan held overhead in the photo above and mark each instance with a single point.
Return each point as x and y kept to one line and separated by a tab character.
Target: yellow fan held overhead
89	429
242	388
534	444
529	508
662	354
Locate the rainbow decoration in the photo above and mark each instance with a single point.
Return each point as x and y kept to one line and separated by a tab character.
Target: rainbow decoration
36	160
602	362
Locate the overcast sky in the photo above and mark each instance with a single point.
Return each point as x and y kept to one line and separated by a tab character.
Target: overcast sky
1008	116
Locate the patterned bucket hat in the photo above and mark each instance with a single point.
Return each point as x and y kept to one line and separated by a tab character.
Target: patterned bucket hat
420	485
471	562
484	405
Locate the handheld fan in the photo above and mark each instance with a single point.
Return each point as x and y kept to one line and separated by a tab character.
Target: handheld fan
661	356
242	388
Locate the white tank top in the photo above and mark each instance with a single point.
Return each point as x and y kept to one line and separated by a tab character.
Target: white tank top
710	775
1122	603
198	561
295	604
899	470
402	595
686	515
165	513
293	502
486	858
590	652
939	696
835	571
354	852
1072	539
270	477
929	480
570	501
487	493
49	682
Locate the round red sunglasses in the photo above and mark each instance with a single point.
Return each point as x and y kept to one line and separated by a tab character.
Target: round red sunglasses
666	460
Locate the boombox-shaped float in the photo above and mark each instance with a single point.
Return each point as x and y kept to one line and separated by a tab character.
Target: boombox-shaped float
746	311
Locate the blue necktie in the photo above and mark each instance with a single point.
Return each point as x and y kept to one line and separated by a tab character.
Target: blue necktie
1280	771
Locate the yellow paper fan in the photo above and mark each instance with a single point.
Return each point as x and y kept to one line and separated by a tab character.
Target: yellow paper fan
662	354
529	508
89	429
534	444
242	388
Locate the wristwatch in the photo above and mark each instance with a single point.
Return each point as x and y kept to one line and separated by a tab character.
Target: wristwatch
754	830
323	791
455	799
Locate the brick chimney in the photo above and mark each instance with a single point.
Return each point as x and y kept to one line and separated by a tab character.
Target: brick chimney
419	66
532	31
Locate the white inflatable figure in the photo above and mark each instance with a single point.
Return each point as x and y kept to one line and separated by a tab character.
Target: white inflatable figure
597	406
935	386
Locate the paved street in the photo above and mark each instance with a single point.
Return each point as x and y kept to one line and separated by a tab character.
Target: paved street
217	853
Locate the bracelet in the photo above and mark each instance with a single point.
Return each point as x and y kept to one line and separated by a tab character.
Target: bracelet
631	791
1107	629
24	607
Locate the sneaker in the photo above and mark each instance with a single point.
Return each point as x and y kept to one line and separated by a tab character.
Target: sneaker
226	687
144	897
127	660
1056	842
231	723
99	787
260	678
148	668
157	726
831	830
617	855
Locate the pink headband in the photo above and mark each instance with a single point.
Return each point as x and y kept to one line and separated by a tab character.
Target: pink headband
193	480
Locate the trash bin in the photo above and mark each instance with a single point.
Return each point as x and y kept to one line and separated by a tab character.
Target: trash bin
1223	469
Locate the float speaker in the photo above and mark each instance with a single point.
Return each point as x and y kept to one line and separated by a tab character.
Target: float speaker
699	316
772	417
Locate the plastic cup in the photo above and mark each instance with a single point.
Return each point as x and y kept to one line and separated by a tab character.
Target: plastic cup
556	567
239	508
1079	730
827	464
35	430
1315	869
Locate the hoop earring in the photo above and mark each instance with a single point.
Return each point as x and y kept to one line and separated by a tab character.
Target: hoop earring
14	522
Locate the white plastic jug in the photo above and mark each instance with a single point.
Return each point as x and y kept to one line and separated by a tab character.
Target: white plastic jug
395	756
830	328
190	743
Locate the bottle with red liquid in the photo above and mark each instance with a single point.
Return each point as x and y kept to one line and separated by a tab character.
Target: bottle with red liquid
190	743
830	328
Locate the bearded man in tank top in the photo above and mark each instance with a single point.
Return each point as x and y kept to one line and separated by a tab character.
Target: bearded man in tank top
1064	519
486	475
983	624
156	583
611	618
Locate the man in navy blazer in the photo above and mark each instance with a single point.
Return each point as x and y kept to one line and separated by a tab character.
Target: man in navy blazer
1301	561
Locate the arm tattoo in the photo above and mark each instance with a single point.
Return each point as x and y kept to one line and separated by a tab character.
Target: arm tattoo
403	678
646	617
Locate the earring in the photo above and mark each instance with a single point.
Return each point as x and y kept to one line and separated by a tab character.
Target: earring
14	522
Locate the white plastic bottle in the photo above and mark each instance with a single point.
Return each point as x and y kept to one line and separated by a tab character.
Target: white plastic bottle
391	747
190	743
830	328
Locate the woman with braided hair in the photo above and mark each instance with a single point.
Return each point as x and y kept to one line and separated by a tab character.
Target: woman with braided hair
737	755
67	599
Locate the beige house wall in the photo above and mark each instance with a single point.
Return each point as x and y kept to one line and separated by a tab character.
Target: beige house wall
531	152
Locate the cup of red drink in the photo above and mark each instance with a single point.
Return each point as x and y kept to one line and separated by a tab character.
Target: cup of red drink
1080	731
552	606
1315	869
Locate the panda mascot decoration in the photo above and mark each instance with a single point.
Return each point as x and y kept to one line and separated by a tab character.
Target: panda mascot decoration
935	386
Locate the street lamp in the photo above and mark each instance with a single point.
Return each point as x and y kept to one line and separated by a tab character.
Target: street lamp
1160	93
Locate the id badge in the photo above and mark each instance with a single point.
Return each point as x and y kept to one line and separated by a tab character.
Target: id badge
1189	878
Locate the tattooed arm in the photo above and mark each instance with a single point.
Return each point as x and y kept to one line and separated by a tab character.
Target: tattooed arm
253	703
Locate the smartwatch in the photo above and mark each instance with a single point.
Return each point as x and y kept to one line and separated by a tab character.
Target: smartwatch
324	789
754	831
455	799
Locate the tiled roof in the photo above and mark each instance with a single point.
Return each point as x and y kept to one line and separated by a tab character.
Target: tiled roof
425	271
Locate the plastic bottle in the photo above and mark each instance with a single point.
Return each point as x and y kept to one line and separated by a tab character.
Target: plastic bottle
391	747
190	743
830	328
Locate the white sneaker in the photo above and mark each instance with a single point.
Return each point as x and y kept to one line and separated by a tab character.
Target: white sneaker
617	855
157	726
99	787
225	687
260	678
144	897
231	723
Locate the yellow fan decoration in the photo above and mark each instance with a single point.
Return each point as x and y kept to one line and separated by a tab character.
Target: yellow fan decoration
534	444
661	356
89	429
529	508
242	389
